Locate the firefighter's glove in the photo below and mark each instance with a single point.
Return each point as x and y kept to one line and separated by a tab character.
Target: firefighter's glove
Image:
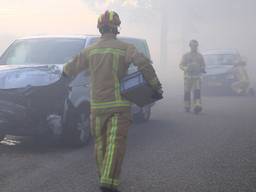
64	77
158	94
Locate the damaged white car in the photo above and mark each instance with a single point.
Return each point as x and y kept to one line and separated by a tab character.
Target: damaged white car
35	100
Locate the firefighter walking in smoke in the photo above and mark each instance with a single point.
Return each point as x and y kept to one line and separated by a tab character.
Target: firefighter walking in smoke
193	66
107	61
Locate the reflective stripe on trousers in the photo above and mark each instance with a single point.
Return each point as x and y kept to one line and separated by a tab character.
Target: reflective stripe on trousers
110	132
192	85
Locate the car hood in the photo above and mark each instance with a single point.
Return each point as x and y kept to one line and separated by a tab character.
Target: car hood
218	69
21	76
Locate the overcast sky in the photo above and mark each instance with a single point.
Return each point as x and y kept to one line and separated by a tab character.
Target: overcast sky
21	17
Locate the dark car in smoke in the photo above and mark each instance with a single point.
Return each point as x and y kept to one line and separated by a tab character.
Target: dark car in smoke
219	67
35	100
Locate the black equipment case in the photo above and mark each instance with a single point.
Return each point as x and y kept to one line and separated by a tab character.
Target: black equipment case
135	89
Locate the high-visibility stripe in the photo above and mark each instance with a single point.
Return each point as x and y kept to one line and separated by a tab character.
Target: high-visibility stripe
111	150
115	119
104	176
197	103
106	107
111	15
110	182
107	50
103	105
110	147
115	71
97	127
109	103
118	98
99	142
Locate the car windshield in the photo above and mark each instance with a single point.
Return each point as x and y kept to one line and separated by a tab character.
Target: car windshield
42	51
221	59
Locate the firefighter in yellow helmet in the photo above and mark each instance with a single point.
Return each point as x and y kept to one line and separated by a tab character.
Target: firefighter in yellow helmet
193	66
242	84
108	61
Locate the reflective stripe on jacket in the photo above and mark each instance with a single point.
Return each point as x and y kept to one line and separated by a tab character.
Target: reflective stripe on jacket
107	61
192	60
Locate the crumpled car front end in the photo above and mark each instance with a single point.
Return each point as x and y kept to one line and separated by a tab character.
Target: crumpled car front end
28	96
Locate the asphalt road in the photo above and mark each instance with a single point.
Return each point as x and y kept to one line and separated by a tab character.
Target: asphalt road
174	152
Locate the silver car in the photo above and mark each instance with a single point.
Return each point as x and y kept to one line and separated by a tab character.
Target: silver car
219	67
35	100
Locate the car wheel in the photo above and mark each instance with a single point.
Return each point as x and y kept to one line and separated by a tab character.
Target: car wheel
144	115
76	126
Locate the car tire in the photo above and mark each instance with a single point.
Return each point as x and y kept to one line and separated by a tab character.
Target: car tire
76	125
144	115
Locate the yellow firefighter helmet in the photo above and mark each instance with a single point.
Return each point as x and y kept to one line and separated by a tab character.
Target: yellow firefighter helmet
109	22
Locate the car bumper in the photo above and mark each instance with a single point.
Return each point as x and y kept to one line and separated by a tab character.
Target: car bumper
218	81
11	115
24	112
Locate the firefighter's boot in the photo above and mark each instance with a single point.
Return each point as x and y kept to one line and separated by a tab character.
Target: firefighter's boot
110	131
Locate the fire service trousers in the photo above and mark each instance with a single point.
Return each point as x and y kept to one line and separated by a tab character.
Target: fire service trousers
192	85
110	132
